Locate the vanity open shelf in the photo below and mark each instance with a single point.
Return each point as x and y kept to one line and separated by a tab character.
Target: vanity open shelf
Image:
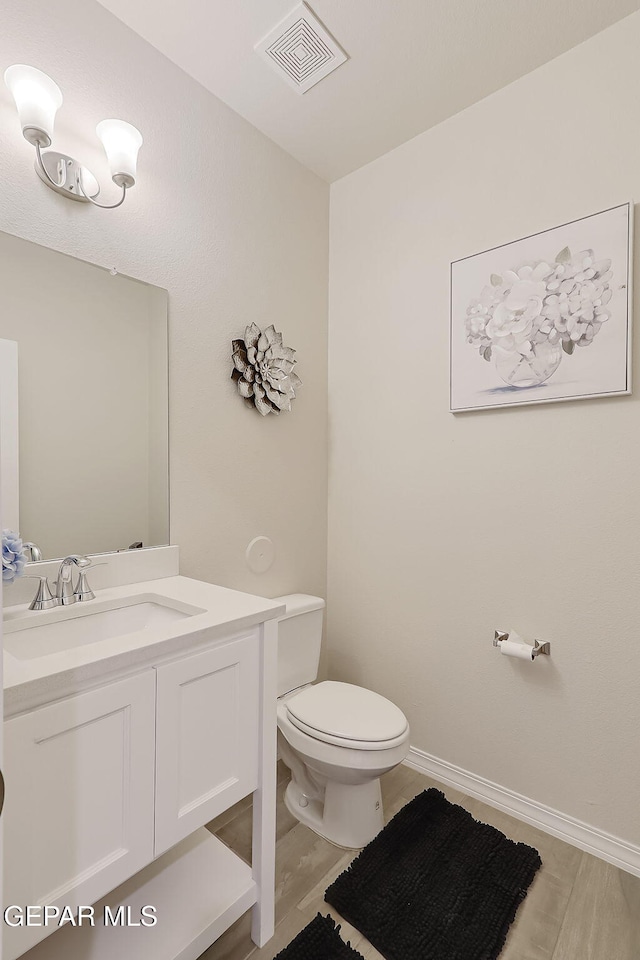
199	888
111	776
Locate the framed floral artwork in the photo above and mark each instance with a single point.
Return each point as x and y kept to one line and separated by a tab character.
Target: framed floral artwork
544	318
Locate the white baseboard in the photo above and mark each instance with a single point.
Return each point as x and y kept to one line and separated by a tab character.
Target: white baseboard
619	852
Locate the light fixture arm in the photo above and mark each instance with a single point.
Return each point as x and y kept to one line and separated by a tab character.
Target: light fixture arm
105	206
62	172
70	181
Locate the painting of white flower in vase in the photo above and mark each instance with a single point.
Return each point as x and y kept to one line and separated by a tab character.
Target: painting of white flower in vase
544	318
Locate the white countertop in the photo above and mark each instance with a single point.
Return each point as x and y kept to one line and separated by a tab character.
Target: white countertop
28	683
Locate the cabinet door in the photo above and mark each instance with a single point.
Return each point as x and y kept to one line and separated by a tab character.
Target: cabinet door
78	818
207	737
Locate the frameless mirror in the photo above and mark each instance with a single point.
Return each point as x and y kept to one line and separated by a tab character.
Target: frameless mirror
83	404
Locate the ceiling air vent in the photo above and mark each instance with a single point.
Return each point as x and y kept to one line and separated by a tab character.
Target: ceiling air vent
300	49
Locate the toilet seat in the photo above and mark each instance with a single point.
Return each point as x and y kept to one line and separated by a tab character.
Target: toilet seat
348	716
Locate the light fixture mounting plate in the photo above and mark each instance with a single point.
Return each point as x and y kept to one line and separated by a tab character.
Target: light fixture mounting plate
54	163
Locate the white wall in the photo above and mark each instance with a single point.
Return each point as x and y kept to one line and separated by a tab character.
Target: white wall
236	231
442	527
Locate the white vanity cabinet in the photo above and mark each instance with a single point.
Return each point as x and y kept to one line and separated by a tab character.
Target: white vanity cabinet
207	744
79	802
109	789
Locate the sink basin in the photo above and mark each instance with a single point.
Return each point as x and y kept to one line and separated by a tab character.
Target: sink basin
65	628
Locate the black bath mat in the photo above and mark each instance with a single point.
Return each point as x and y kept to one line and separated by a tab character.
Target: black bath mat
319	941
435	884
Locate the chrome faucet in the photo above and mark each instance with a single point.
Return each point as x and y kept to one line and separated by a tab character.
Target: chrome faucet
33	551
65	591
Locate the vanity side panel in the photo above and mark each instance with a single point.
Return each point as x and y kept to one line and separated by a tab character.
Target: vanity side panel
79	812
263	850
207	737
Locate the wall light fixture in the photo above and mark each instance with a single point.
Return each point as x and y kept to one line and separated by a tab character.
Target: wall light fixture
38	99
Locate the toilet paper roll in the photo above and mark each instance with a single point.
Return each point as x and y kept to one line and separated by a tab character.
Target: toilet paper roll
512	648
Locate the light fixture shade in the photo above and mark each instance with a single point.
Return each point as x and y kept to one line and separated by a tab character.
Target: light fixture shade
121	142
37	98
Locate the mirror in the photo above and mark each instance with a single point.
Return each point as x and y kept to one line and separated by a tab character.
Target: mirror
83	404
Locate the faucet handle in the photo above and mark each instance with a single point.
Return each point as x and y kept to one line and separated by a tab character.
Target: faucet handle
83	591
43	599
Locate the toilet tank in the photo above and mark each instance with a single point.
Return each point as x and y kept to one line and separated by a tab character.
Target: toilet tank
299	638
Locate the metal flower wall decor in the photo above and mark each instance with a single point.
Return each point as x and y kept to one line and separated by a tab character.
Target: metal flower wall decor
263	370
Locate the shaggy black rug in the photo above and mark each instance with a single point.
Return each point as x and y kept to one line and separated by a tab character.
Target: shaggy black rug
435	884
319	941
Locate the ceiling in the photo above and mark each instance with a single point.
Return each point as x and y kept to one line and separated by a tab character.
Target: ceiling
412	63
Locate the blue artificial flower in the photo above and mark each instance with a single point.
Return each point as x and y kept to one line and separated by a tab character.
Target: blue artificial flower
13	558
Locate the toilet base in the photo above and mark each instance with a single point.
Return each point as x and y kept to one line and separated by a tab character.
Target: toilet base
350	815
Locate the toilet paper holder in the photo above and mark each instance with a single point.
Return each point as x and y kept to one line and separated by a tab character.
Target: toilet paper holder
539	646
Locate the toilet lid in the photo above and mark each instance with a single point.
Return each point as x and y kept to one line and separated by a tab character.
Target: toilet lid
346	711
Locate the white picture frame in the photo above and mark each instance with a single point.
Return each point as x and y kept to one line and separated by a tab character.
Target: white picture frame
556	305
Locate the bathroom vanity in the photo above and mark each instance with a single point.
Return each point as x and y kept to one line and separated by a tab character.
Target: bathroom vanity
132	719
130	722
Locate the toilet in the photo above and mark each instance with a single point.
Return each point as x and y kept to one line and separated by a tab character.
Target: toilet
336	738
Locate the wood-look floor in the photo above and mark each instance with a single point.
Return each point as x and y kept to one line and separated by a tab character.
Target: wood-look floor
578	907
